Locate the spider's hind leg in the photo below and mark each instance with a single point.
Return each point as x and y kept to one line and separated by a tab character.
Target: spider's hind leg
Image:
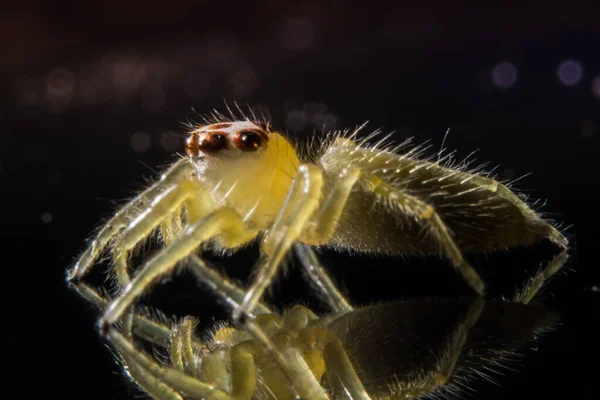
426	214
535	283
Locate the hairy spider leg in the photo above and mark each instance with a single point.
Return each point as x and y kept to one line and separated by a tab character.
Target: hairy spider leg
300	204
535	283
176	379
317	275
225	222
144	370
289	359
161	212
427	215
401	201
127	221
124	217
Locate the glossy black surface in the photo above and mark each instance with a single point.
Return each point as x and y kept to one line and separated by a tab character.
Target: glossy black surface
93	97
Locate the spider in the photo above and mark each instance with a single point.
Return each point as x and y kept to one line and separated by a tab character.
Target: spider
399	350
242	181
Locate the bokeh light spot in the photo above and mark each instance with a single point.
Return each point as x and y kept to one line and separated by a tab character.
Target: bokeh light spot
171	141
569	72
59	88
504	75
46	217
596	87
140	142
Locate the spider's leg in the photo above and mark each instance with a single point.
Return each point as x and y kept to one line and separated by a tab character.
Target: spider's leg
147	381
301	202
535	283
145	327
225	222
160	375
181	349
298	317
160	211
290	361
321	280
228	292
427	215
325	221
454	346
340	372
123	217
164	205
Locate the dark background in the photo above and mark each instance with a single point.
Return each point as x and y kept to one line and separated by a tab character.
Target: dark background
93	96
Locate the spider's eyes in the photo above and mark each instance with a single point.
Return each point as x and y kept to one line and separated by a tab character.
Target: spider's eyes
214	141
249	140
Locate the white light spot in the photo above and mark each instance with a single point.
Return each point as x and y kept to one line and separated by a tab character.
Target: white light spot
504	75
140	142
569	72
170	141
596	87
588	128
46	217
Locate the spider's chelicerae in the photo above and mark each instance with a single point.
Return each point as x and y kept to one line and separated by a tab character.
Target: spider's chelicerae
241	181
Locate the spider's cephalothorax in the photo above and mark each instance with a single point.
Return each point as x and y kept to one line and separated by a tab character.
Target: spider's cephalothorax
245	166
241	181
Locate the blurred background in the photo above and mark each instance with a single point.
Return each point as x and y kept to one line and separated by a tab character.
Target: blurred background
93	100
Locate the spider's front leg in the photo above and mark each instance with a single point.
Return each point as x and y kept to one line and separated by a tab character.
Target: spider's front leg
306	218
124	217
301	202
224	222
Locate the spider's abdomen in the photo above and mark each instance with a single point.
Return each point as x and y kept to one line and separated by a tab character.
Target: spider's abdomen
396	346
481	213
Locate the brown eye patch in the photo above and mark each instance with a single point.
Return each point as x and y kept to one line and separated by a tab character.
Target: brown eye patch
192	145
249	140
213	141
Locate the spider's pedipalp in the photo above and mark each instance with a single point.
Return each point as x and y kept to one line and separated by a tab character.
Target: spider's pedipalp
171	376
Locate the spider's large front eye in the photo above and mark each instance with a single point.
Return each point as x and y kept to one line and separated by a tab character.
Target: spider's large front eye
212	142
248	140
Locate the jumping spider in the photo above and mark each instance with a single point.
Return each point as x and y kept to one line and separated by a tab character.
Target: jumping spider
242	181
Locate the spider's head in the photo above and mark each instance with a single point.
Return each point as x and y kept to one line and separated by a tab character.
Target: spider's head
247	166
228	138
